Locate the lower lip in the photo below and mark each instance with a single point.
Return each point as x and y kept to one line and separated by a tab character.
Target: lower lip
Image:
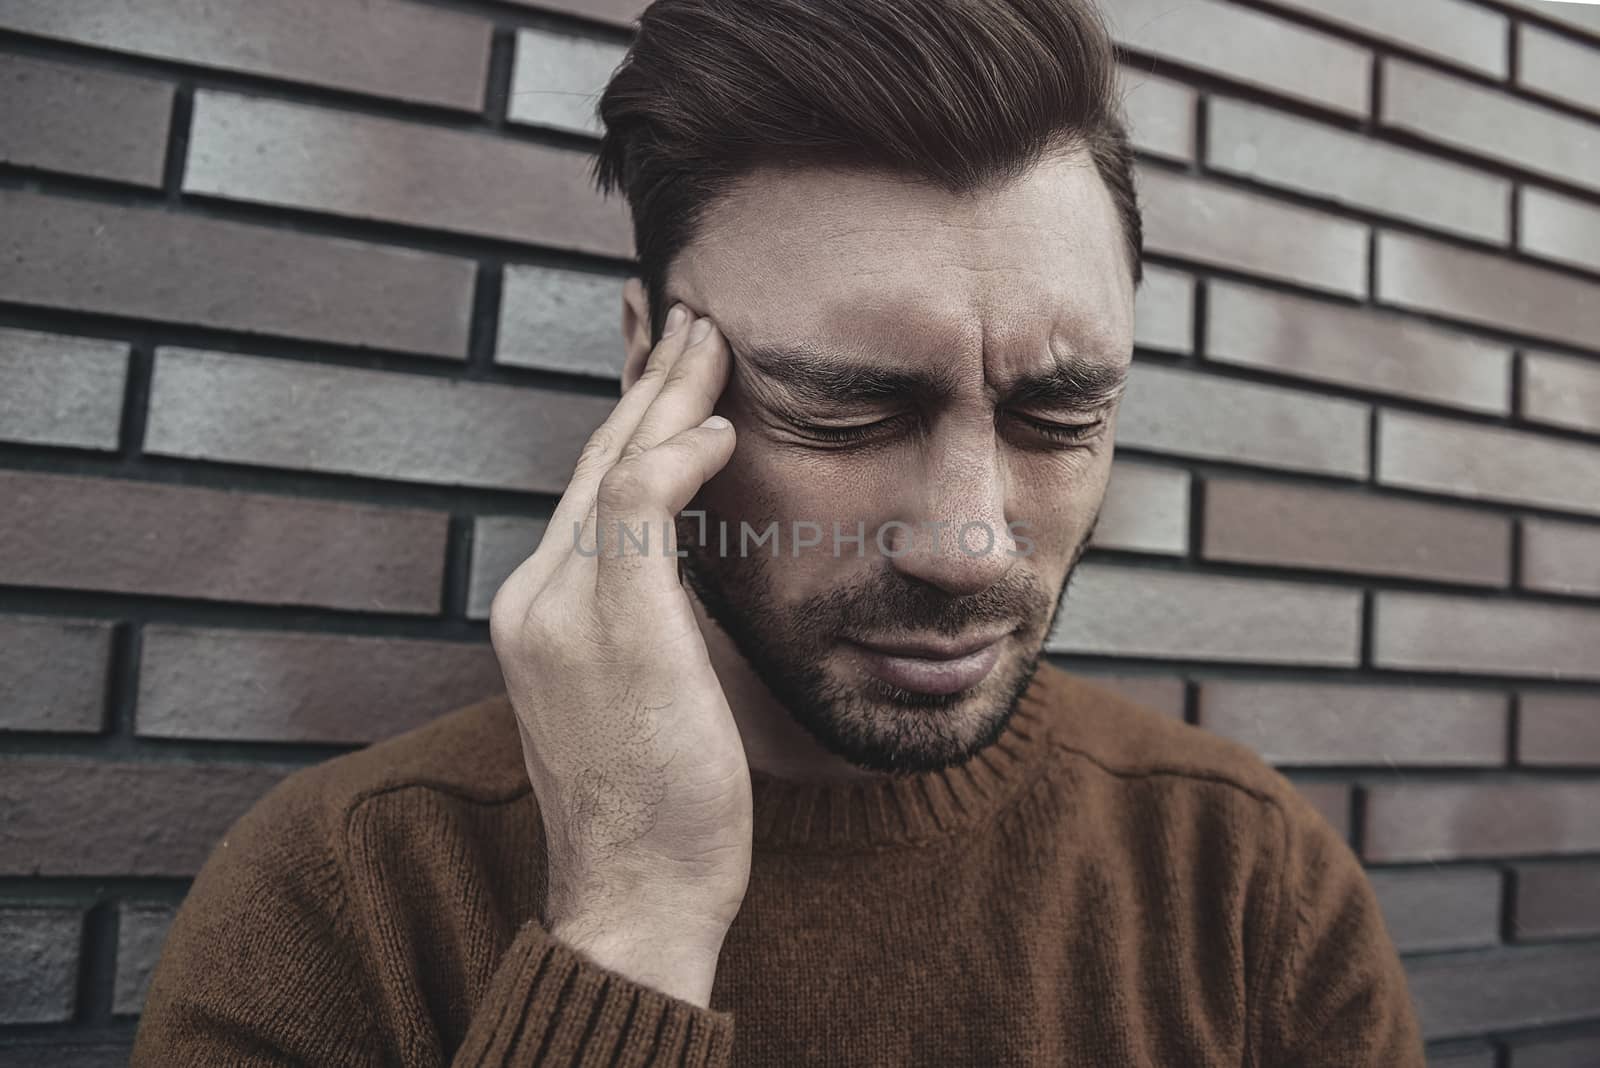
932	676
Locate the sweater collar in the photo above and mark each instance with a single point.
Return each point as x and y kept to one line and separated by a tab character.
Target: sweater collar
911	809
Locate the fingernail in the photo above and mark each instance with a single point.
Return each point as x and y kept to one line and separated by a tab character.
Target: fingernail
702	327
674	320
716	422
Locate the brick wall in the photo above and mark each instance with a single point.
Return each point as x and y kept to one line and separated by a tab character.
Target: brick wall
306	309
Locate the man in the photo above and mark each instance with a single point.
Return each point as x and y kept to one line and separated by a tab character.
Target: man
816	798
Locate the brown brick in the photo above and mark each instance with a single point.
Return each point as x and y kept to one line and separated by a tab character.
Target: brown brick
141	929
39	968
558	79
1450	30
1537	1052
262	686
1488	463
499	545
1306	724
1495	637
1114	610
291	414
1558	729
1559	228
75	816
1481	288
1200	220
403	50
1503	989
61	390
52	672
1559	67
1443	908
271	152
1356	347
1163	311
1561	391
1339	530
1487	122
140	262
1190	414
1450	821
1557	901
80	120
1561	557
1332	800
1161	114
1248	47
1308	157
1146	509
122	536
1157	692
561	320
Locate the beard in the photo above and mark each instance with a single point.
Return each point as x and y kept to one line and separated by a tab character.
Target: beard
869	722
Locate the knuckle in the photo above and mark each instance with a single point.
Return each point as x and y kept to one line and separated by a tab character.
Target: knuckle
601	444
621	487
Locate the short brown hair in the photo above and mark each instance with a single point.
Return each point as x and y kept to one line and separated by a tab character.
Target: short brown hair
965	94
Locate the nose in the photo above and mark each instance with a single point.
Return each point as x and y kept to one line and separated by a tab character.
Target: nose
952	530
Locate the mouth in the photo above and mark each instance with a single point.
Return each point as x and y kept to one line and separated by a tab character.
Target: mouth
931	666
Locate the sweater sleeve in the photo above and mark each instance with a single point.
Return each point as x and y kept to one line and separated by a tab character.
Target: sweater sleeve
1336	994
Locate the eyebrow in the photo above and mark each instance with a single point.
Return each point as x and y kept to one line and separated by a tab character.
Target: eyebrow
822	379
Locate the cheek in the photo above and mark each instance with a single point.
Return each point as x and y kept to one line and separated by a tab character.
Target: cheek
1057	499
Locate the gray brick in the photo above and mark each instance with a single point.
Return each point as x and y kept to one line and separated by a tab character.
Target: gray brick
1307	157
123	536
81	120
1446	908
1466	820
1248	47
1189	414
53	673
1485	637
1124	611
1561	557
1462	1055
1355	347
558	79
1503	989
383	47
1557	901
65	1053
1557	729
1199	220
1565	13
499	545
141	929
1536	1052
1161	114
1332	801
1163	311
561	320
272	687
1306	724
614	12
1557	66
1487	122
1450	30
1312	526
61	390
76	816
39	968
1487	463
1482	288
144	263
1561	391
1559	228
289	414
1146	509
272	152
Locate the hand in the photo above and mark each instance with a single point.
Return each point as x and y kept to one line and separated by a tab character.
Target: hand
628	740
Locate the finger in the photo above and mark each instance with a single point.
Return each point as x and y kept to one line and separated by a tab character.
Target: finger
645	493
693	384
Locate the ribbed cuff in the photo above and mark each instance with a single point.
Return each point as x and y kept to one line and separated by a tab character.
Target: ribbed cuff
550	1005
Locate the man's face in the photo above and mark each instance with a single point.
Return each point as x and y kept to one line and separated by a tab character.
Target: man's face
919	368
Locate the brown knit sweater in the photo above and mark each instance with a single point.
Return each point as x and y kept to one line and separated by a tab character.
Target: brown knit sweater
1102	887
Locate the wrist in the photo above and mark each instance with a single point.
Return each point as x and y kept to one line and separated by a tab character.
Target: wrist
674	955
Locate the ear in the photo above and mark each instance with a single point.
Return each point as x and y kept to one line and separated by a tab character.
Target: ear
635	331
